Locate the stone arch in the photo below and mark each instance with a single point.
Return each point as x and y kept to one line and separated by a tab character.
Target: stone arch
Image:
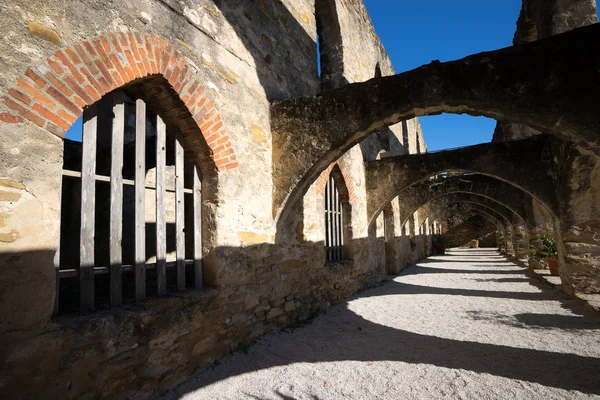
54	94
503	162
473	209
421	192
343	181
498	226
495	84
514	235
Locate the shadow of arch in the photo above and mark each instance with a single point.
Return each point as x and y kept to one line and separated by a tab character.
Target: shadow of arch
518	363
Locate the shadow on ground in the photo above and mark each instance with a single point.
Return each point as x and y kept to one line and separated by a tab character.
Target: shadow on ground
359	339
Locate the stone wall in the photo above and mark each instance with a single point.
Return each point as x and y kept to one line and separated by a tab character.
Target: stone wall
577	257
228	61
474	228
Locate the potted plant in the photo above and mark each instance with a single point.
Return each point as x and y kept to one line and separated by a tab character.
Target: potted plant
474	243
438	243
549	253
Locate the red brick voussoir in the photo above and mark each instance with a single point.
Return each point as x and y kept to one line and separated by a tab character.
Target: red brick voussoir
54	94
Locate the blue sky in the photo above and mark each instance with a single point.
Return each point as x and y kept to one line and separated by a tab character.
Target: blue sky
416	32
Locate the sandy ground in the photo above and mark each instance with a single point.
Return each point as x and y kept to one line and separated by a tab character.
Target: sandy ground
467	325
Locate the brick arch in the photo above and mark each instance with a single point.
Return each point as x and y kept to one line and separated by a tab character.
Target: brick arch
54	94
347	187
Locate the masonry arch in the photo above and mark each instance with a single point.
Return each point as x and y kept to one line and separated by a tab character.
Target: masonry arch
516	226
502	162
53	95
471	209
419	193
498	85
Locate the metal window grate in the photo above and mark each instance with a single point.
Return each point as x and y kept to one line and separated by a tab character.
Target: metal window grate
334	223
107	207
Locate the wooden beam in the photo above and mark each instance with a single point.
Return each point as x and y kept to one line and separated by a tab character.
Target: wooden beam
116	199
88	201
140	201
161	209
179	215
197	224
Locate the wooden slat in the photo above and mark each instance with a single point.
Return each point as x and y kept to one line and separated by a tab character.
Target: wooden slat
57	273
337	224
161	209
341	222
116	199
331	218
72	273
327	230
126	182
334	220
140	201
197	227
179	216
88	201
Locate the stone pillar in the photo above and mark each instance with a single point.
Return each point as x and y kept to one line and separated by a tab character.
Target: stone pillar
539	223
580	222
520	238
508	239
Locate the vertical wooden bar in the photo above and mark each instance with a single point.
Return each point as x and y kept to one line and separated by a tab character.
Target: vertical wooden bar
197	224
337	225
334	218
88	202
327	232
116	199
341	223
57	273
140	201
179	215
161	209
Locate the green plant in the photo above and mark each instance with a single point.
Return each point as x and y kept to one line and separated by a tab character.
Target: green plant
548	249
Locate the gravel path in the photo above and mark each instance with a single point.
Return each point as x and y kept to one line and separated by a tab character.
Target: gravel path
466	325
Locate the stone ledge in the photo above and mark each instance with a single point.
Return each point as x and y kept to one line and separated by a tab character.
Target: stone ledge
589	301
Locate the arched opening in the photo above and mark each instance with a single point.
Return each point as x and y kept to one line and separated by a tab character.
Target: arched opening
131	218
338	213
330	45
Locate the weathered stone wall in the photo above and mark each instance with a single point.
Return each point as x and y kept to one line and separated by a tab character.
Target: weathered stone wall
577	257
474	228
243	55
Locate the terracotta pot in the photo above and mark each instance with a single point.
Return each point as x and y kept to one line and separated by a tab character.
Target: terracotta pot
553	265
474	244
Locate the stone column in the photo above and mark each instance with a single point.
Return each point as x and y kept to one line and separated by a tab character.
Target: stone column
509	239
580	222
539	223
521	242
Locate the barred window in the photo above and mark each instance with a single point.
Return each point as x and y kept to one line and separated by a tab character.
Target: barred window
130	209
337	215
